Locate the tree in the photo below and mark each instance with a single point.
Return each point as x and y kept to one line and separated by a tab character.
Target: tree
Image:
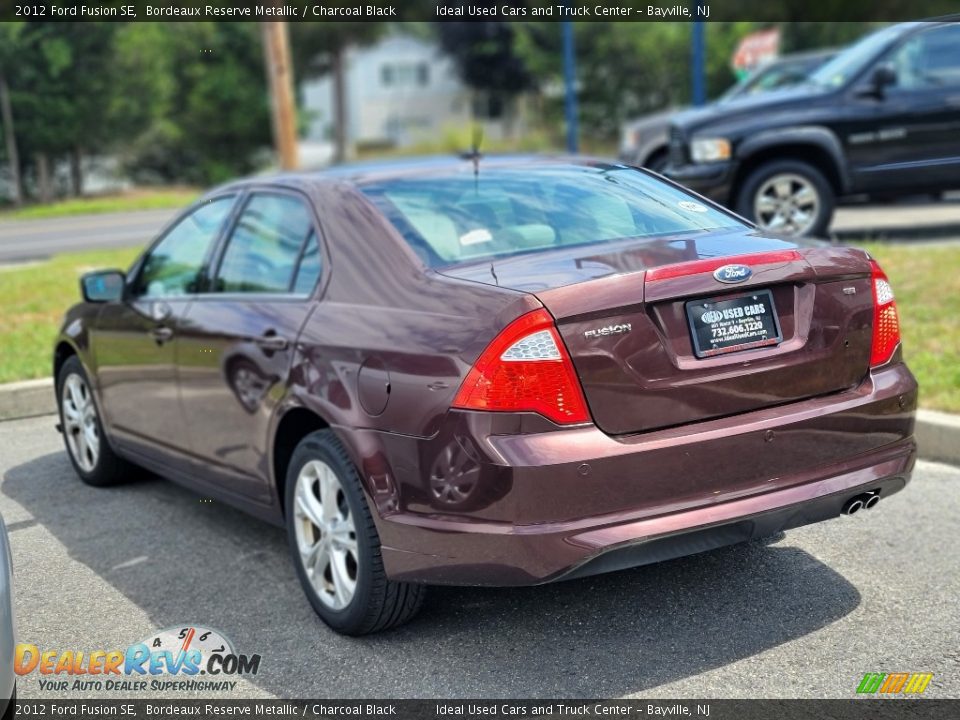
10	43
623	69
190	101
319	48
485	55
41	97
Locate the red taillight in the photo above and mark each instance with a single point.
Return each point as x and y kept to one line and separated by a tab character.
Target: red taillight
526	368
886	324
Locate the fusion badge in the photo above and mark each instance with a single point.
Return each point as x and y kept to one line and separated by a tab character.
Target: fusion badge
619	329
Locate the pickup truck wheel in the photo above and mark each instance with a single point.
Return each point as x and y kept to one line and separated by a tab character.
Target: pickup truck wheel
335	545
788	197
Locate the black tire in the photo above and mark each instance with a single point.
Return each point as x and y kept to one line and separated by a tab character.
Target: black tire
109	468
377	603
760	176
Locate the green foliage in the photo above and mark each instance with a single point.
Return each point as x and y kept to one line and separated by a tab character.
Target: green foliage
629	69
190	101
155	199
34	298
182	102
485	55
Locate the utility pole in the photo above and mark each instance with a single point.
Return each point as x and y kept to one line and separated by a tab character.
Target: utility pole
276	46
570	88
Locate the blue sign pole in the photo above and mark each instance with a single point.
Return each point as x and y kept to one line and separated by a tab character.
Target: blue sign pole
698	61
570	88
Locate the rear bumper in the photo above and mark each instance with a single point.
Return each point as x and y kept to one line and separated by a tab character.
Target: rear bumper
543	506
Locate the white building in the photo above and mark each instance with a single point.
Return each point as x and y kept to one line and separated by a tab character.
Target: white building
400	91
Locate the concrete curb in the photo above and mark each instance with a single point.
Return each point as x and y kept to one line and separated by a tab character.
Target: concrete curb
27	399
938	433
938	436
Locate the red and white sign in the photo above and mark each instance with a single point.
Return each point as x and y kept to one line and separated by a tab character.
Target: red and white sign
756	48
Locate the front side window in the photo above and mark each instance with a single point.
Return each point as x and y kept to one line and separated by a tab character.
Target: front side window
264	250
929	60
464	218
174	266
852	61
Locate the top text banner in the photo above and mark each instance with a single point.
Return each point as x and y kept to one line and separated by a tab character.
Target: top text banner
479	10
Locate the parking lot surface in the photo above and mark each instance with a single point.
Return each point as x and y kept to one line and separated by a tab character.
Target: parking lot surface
805	616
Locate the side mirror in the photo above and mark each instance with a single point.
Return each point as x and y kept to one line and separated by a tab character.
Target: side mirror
103	286
883	76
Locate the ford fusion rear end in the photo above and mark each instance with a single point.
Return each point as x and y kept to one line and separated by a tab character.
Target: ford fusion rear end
669	396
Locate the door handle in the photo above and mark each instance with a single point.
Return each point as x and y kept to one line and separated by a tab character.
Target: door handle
161	334
272	342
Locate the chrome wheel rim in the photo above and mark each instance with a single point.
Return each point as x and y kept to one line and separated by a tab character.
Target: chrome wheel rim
326	535
80	422
787	203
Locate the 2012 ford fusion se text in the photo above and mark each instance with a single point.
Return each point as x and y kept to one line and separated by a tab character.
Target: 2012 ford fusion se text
488	371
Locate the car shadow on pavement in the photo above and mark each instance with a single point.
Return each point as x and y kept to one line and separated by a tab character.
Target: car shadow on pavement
185	561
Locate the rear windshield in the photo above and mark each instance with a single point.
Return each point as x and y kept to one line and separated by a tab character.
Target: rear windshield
467	217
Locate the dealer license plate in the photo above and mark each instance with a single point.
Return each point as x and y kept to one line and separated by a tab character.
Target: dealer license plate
734	324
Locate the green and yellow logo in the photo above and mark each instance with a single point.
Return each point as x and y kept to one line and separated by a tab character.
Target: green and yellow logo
892	683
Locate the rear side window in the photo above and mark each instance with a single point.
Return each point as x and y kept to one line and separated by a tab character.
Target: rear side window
309	270
463	218
264	250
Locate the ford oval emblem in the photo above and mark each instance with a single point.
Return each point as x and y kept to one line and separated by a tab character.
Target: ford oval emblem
732	273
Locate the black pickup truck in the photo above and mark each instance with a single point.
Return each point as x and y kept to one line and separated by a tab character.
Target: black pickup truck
882	118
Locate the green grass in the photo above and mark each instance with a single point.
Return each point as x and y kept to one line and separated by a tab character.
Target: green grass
124	202
926	282
34	298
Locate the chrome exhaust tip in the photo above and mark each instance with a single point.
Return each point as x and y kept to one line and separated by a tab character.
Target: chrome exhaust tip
871	502
853	505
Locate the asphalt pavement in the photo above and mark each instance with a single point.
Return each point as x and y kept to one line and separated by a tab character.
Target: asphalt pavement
24	240
804	616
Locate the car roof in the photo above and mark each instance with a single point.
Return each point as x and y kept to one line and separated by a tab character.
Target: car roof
373	171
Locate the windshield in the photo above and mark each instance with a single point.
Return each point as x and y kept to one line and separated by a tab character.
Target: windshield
776	75
849	63
462	218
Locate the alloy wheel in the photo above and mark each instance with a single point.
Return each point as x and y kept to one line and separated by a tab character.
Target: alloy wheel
326	535
787	203
80	422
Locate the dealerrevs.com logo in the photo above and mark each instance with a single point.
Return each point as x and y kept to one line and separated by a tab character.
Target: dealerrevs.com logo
180	652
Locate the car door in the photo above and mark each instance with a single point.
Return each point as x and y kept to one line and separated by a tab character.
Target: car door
911	141
237	340
135	340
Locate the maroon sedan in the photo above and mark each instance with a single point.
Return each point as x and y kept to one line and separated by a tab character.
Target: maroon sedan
488	372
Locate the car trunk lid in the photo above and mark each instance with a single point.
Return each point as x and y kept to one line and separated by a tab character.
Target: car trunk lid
631	342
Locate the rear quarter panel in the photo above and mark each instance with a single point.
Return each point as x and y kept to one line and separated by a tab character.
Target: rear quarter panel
390	341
